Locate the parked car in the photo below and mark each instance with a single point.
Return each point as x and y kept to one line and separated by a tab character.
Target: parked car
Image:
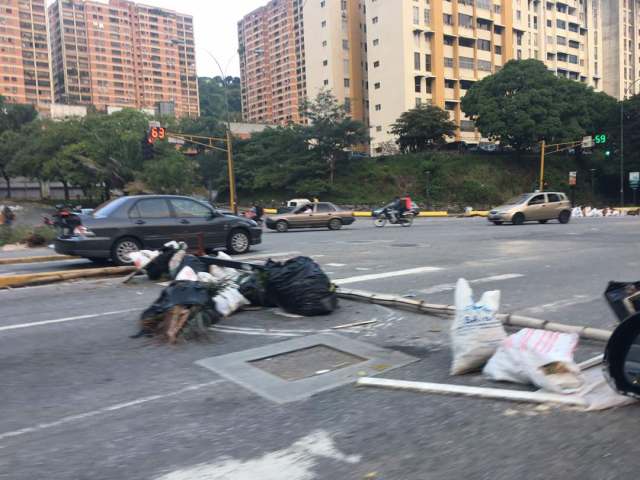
128	224
538	206
311	215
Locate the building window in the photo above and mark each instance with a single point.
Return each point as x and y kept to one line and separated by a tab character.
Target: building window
347	105
324	43
322	4
345	44
484	65
418	84
325	63
561	40
498	50
347	83
418	102
416	60
376	86
416	15
324	23
378	128
561	24
448	19
376	42
378	107
374	20
450	106
427	62
484	45
497	9
376	64
466	63
326	82
448	62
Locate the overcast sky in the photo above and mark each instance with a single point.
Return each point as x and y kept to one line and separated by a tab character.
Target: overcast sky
216	29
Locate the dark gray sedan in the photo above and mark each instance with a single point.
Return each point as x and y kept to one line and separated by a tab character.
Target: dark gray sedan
128	224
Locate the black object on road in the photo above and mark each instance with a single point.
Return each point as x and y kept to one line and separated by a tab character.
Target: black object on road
623	298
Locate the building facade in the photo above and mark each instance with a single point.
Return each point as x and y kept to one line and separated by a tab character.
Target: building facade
272	66
430	51
336	53
123	54
25	74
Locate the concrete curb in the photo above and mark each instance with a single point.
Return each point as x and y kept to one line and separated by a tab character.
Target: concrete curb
43	258
13	281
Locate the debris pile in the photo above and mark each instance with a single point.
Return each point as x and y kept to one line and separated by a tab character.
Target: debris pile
205	289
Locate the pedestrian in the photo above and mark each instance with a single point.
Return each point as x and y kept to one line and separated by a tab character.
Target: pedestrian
8	216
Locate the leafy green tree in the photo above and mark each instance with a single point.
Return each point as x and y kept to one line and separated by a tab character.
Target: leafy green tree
170	172
332	134
525	103
212	97
421	128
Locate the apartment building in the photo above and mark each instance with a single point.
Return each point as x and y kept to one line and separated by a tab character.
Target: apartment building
24	53
621	42
336	52
433	51
122	54
272	64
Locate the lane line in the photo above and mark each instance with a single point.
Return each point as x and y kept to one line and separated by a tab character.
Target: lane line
560	304
378	276
67	319
447	287
100	411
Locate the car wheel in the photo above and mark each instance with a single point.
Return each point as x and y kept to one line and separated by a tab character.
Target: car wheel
282	226
497	222
543	221
518	219
335	224
122	248
564	217
238	242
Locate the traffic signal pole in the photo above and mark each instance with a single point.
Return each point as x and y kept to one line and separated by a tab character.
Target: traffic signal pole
542	148
232	175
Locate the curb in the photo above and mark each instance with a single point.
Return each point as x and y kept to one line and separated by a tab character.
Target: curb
13	281
41	259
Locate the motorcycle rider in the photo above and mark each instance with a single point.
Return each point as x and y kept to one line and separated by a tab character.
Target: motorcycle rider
394	209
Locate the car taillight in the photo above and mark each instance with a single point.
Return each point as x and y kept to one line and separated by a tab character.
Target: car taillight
83	231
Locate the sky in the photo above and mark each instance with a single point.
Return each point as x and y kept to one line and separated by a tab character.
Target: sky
216	30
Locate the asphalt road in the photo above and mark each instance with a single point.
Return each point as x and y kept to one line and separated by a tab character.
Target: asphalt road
79	399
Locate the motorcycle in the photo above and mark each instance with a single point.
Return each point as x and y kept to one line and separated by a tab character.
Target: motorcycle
381	218
64	220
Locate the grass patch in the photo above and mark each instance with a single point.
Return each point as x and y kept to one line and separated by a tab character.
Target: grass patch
32	236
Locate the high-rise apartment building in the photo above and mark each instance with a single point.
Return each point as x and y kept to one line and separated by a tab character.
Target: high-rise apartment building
432	51
336	58
621	43
272	65
25	75
123	54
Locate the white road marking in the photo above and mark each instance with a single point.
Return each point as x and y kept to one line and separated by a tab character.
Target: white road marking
296	462
560	304
362	269
335	264
264	331
447	287
377	276
101	411
67	319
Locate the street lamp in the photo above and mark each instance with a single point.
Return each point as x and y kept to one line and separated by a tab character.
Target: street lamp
626	91
593	172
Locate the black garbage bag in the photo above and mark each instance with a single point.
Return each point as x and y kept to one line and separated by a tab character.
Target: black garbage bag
159	266
300	286
622	357
623	298
254	288
191	301
193	262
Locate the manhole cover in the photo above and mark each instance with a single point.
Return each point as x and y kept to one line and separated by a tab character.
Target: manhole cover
306	362
404	245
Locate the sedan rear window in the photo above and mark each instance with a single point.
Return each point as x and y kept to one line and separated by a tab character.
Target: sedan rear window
188	208
325	207
151	208
107	208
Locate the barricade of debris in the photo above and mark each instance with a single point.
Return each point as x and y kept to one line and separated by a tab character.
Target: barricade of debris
205	289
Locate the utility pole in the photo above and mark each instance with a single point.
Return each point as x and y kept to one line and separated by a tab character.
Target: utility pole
542	148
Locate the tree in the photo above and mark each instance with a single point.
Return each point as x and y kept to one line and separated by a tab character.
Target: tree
212	97
170	172
525	103
331	133
422	128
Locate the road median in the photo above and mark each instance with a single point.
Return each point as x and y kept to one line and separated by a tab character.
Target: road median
36	259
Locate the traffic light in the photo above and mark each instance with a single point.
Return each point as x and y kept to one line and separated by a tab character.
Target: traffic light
148	151
607	153
600	138
156	133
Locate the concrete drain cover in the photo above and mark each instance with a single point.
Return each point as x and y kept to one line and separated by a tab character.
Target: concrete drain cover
306	362
298	368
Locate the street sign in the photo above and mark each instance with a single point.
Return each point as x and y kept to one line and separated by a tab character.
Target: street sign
573	178
156	133
587	142
634	180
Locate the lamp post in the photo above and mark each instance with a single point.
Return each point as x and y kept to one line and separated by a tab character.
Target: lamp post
624	96
593	172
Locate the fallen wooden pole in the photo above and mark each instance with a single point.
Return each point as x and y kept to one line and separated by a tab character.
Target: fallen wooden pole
355	324
12	281
421	306
38	259
482	392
